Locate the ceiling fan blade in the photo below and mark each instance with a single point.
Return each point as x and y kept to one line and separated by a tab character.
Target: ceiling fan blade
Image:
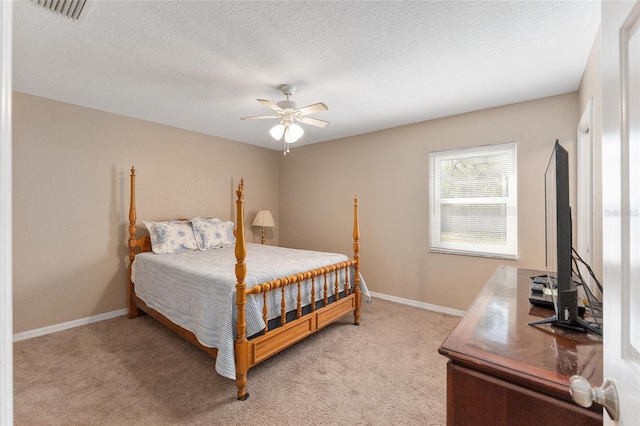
270	105
257	117
312	121
310	109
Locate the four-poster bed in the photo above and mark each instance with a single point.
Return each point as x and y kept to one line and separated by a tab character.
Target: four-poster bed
263	300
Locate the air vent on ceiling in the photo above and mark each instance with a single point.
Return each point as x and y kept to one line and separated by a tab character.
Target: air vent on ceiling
72	9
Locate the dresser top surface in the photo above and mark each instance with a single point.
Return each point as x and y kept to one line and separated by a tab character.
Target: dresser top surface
495	333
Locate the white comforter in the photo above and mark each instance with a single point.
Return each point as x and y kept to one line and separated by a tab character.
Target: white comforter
196	290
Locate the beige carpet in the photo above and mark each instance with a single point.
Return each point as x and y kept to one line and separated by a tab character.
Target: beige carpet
116	372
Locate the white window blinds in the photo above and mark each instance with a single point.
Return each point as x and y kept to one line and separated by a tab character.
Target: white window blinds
474	204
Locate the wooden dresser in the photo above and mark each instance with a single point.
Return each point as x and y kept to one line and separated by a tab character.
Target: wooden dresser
502	371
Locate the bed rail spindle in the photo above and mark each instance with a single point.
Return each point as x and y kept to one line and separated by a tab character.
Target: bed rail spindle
313	291
326	288
283	304
346	280
241	342
265	312
336	284
299	311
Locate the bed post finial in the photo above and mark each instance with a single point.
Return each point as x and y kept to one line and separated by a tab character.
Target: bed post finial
240	190
241	342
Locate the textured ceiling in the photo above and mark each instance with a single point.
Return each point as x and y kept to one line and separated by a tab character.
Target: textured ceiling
201	65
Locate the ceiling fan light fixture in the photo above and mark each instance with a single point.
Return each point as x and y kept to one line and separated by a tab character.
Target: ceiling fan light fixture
287	111
277	131
293	133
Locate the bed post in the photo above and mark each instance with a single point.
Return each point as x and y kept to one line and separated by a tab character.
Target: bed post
241	342
132	309
356	259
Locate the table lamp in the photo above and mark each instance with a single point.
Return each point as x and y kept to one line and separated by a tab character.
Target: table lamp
265	220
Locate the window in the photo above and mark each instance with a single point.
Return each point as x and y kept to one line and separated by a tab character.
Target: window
474	201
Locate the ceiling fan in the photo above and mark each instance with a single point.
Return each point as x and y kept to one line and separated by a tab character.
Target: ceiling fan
288	113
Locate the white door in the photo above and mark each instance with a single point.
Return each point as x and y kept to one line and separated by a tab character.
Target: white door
621	203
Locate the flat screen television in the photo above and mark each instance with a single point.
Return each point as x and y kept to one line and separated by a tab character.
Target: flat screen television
558	242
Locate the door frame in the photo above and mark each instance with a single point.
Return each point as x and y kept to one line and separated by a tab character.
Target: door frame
6	298
584	186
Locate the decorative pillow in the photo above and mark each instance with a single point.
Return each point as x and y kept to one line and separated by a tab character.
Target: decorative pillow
171	237
212	233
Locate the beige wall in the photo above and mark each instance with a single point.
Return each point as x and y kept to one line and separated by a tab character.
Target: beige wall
71	192
389	172
71	167
591	88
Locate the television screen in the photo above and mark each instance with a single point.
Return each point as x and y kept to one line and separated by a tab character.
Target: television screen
551	225
558	242
558	236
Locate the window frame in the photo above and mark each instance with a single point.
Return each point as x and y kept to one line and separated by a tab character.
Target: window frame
507	251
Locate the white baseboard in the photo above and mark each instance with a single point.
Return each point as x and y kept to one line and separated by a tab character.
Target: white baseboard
67	325
113	314
421	305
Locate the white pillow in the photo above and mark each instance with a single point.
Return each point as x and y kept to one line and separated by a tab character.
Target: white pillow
171	237
212	233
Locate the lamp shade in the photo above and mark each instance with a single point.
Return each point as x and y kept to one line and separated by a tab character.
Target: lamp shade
293	133
277	131
264	219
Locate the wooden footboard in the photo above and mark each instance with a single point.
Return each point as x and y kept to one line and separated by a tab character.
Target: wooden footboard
249	352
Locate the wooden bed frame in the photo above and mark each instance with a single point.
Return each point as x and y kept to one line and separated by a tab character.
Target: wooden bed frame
250	352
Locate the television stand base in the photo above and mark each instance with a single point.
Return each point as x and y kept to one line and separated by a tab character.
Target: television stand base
579	325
